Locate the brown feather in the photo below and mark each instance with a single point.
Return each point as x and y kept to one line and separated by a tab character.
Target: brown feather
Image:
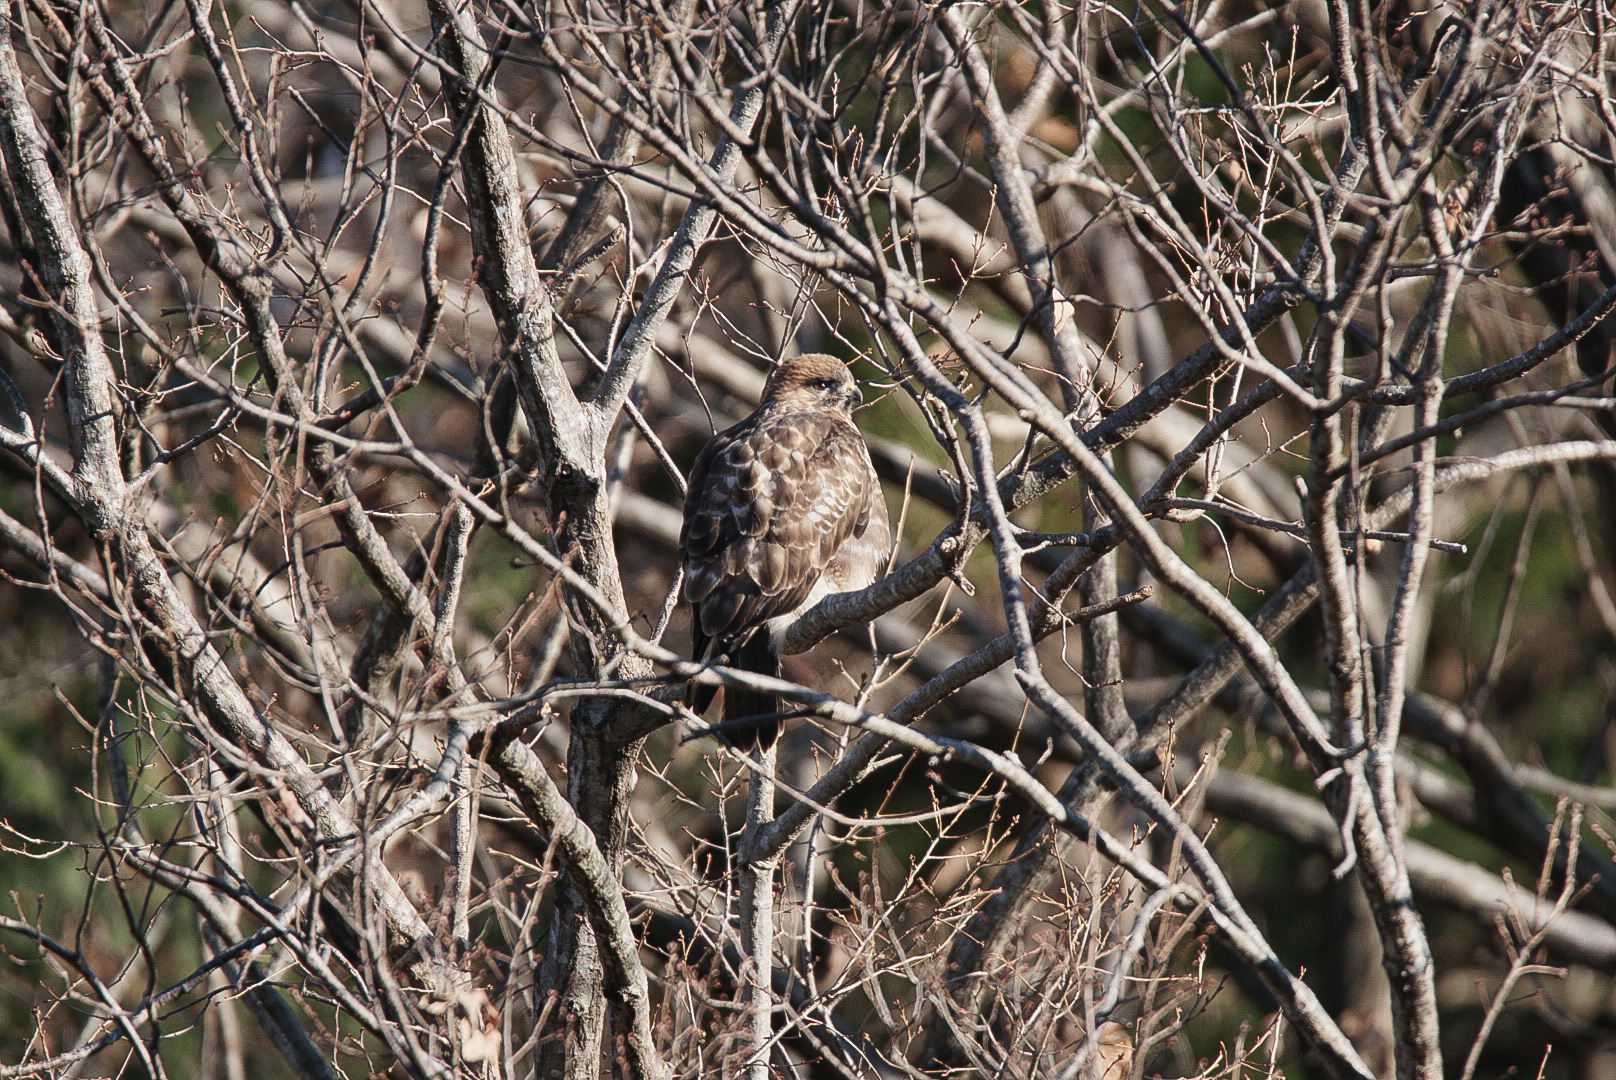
780	507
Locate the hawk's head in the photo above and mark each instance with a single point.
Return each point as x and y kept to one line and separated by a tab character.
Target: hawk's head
812	381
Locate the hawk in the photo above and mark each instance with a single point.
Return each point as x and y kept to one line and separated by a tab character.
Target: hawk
783	509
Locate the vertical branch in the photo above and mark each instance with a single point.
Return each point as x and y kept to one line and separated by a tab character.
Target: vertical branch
757	867
462	795
1102	647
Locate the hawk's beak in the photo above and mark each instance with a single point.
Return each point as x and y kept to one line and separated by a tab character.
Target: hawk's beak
855	396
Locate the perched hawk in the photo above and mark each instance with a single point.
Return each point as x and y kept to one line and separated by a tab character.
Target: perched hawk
783	510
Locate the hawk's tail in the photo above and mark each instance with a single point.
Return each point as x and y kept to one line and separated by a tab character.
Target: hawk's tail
755	654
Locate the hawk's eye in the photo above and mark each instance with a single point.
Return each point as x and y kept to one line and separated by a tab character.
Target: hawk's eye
825	384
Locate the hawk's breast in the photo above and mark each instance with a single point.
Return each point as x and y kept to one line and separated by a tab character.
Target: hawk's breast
783	508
